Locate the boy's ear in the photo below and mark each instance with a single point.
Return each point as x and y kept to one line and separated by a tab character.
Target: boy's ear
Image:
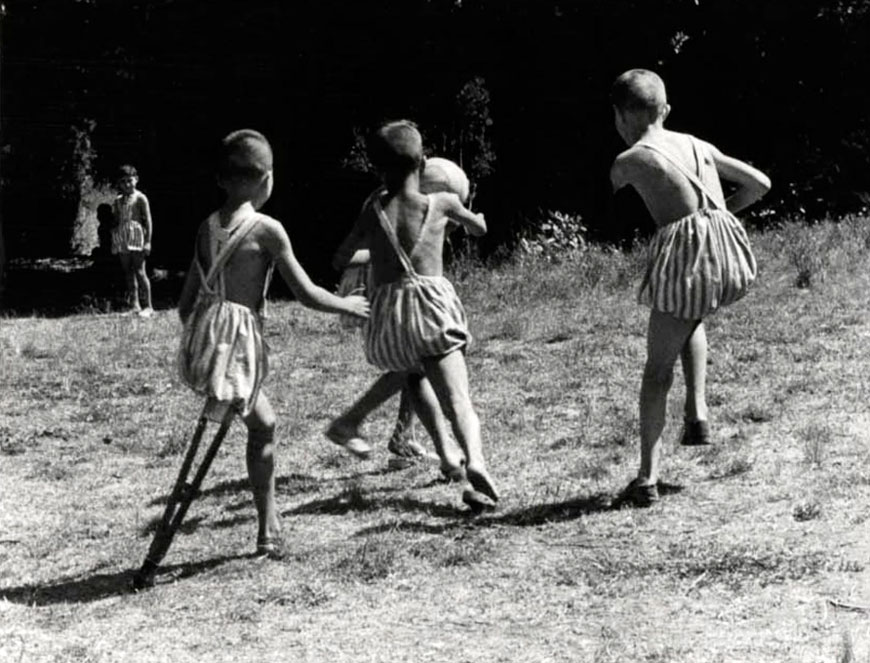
665	112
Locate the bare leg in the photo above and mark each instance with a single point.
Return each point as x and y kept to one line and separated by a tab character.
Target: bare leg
694	360
381	390
261	467
666	338
403	431
428	409
449	377
132	294
144	285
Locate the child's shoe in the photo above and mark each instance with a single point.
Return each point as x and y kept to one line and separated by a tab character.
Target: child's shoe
407	452
272	547
349	440
146	312
638	493
477	501
481	482
453	473
695	434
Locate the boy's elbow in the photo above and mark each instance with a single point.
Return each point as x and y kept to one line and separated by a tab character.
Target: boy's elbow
761	186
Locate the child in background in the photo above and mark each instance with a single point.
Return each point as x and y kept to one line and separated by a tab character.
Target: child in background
699	258
418	325
223	354
131	238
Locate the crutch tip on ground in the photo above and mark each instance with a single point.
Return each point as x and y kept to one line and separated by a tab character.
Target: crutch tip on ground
183	493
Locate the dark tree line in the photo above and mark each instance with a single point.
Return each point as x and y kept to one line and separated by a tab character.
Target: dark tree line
517	88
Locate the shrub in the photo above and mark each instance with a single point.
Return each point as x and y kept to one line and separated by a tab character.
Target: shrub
557	235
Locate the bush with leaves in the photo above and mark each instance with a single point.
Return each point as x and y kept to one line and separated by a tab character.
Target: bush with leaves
555	236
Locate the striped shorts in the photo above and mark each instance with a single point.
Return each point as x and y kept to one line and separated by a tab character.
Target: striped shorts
697	264
411	319
129	236
223	355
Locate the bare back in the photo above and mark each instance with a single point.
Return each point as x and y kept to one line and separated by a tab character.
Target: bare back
668	193
420	222
247	269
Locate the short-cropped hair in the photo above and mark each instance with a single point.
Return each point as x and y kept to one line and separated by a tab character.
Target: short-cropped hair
127	171
639	90
244	154
396	147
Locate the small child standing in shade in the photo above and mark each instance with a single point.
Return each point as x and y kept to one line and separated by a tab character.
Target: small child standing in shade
699	258
131	239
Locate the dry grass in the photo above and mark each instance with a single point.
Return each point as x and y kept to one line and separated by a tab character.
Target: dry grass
758	552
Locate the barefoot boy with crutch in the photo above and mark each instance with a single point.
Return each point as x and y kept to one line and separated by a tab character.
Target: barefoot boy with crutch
223	355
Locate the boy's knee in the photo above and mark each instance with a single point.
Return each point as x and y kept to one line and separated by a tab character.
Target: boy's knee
662	376
261	431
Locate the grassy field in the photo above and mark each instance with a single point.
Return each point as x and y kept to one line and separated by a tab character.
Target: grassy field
758	552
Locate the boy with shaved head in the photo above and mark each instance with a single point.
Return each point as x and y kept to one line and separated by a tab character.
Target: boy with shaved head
223	355
699	258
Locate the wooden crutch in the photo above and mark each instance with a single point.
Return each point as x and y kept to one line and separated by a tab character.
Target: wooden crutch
183	493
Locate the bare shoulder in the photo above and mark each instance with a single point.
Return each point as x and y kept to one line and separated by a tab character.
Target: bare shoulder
445	201
633	165
270	226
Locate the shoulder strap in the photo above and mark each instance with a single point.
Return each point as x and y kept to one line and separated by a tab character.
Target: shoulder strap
391	235
692	177
219	260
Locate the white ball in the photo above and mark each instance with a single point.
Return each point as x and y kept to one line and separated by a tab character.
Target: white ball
441	174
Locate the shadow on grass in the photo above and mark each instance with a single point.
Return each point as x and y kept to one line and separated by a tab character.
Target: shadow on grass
350	501
100	586
531	516
286	486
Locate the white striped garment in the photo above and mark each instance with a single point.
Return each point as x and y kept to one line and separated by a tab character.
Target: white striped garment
414	318
698	264
129	233
223	354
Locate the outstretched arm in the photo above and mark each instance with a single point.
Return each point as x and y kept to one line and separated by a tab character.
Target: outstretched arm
473	223
751	183
306	291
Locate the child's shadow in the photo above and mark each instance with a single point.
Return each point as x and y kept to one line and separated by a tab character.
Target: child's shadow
353	500
289	485
530	516
98	586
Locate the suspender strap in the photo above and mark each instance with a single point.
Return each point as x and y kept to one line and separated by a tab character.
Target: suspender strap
394	239
692	177
219	260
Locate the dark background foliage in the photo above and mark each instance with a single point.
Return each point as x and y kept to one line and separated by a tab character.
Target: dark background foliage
156	83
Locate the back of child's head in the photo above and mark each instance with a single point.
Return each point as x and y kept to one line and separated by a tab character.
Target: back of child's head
245	156
397	147
127	171
639	91
441	174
